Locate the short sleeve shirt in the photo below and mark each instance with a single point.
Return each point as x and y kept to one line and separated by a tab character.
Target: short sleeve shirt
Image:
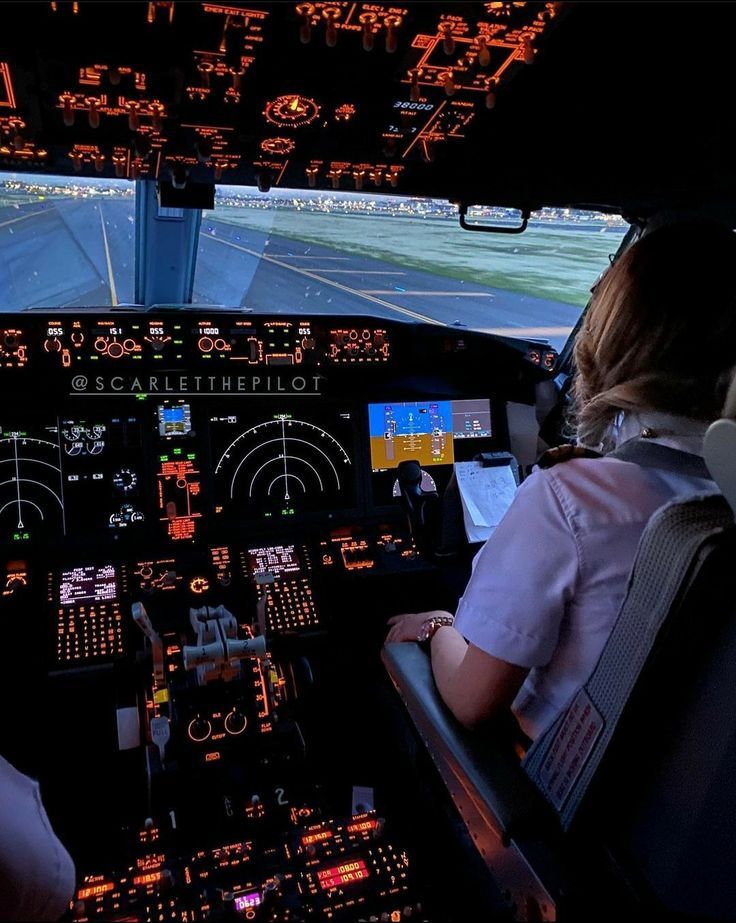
547	586
36	872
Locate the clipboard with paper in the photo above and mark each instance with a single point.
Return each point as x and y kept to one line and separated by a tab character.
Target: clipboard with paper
486	487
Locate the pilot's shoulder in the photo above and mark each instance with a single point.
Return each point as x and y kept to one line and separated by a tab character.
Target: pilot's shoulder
565	453
593	488
578	475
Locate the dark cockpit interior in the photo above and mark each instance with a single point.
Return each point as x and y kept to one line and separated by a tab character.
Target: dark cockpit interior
209	508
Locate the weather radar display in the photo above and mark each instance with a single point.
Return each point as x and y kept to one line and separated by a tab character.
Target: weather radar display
287	464
31	493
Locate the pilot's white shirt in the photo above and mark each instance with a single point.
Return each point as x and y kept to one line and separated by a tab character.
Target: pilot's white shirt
36	872
547	586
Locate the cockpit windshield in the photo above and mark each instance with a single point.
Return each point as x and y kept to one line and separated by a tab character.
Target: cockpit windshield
66	242
71	242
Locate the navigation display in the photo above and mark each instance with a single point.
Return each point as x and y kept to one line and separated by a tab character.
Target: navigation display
424	431
87	585
281	463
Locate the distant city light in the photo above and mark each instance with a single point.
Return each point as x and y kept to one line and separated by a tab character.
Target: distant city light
330	202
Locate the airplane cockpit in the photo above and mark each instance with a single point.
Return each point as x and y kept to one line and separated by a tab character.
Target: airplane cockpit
288	293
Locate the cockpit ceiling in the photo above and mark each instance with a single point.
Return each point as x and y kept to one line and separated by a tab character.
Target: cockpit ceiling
622	106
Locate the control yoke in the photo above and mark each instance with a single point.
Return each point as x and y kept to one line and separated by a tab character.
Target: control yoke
421	506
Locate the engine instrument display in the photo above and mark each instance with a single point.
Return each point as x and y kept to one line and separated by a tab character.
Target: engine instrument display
292	462
179	494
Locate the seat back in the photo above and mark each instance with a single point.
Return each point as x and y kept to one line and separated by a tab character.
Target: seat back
644	758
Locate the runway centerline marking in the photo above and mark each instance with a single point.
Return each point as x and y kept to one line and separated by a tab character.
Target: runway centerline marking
113	290
338	285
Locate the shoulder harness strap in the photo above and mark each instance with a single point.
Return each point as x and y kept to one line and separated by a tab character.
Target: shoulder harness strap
639	452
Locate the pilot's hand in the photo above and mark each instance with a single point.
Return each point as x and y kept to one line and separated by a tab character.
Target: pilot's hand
406	627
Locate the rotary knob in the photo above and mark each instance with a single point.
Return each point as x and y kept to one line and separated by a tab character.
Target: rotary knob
235	722
199	729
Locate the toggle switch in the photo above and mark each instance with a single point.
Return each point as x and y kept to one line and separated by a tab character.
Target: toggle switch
331	14
448	39
392	23
157	111
93	111
205	69
368	22
203	149
119	162
527	49
67	101
305	11
134	109
491	90
236	74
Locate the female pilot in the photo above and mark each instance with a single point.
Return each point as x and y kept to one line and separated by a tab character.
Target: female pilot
654	358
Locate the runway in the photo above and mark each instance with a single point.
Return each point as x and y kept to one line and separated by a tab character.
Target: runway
80	252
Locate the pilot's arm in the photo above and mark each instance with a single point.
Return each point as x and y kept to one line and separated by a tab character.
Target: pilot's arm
36	872
508	621
474	685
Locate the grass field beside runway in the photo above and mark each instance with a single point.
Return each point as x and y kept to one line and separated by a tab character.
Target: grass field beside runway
558	264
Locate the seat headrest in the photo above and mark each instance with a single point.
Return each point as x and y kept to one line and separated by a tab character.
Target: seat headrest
719	448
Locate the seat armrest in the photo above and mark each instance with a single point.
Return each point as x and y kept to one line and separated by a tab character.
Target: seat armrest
480	769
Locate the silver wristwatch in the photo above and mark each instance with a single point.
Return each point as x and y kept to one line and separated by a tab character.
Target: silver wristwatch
429	626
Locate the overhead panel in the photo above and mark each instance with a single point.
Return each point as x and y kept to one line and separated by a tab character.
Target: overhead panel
324	95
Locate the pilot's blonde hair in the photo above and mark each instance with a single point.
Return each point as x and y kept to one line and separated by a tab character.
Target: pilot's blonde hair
660	333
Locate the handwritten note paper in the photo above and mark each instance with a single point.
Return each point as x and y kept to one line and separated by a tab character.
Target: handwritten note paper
486	494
